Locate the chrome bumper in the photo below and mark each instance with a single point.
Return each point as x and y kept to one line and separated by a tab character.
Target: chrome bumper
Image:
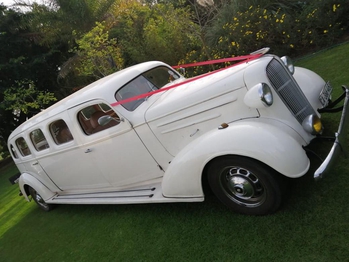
340	142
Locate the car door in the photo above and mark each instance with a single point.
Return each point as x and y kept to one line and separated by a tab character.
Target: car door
65	161
114	147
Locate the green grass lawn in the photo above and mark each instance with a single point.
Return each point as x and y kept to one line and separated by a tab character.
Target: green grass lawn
312	225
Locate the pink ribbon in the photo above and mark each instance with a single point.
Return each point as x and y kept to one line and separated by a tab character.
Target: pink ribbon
242	59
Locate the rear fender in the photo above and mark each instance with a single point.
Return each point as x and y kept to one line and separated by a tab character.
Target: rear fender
26	180
270	142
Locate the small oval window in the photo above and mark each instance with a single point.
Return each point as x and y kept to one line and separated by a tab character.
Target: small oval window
60	132
23	147
38	139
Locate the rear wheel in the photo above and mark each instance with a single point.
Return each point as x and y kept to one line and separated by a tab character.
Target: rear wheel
245	185
39	200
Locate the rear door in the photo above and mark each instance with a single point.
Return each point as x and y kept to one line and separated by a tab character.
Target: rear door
64	160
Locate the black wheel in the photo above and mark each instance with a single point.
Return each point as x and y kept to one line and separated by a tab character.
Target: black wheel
39	200
245	185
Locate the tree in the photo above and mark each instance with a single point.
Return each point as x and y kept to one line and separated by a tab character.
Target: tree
22	59
57	19
98	54
289	27
153	32
26	98
57	25
132	33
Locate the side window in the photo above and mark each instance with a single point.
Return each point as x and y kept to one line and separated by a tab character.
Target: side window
23	147
38	139
97	117
60	132
13	151
160	76
149	81
137	86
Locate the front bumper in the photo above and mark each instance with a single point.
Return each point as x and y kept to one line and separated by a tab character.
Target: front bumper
340	141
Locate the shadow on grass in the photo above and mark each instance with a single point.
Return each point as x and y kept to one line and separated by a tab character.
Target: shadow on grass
309	227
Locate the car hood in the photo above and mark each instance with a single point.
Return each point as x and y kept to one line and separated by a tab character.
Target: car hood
191	109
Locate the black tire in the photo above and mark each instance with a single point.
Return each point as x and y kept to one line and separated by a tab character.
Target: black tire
39	200
245	185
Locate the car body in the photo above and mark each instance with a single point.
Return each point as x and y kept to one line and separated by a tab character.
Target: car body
146	134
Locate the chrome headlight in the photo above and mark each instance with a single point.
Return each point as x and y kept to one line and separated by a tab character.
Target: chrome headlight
312	124
288	63
265	94
259	96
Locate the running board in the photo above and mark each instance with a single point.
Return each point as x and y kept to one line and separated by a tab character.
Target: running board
131	196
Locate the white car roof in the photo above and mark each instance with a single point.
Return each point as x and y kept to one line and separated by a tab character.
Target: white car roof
103	88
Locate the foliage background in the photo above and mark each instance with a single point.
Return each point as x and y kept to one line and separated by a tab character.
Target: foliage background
312	225
64	45
41	47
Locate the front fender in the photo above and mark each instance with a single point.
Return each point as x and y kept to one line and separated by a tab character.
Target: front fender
267	141
28	180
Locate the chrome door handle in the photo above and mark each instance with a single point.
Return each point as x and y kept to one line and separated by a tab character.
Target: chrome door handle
88	150
36	163
193	134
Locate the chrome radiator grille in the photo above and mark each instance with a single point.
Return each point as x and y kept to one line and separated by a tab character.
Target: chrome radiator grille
289	91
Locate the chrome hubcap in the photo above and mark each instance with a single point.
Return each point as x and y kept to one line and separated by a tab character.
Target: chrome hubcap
40	200
242	186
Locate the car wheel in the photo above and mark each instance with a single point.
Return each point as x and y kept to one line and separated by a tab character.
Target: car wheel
245	185
39	200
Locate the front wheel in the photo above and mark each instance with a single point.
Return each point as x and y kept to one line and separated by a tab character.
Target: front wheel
245	185
39	200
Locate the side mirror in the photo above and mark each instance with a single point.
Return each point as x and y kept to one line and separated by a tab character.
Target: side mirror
182	70
104	120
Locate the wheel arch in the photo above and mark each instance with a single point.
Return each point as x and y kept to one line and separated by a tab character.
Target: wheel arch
26	181
204	177
26	192
280	151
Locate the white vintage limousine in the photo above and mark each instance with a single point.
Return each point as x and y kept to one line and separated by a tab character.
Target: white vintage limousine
146	134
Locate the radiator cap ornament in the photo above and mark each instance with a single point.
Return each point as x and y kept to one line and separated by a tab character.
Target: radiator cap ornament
261	51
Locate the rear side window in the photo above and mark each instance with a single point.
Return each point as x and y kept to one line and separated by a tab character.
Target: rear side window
23	146
60	132
38	139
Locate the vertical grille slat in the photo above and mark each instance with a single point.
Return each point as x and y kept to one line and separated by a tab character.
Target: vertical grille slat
289	91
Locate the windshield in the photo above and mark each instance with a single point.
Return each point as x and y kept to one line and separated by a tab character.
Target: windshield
149	81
